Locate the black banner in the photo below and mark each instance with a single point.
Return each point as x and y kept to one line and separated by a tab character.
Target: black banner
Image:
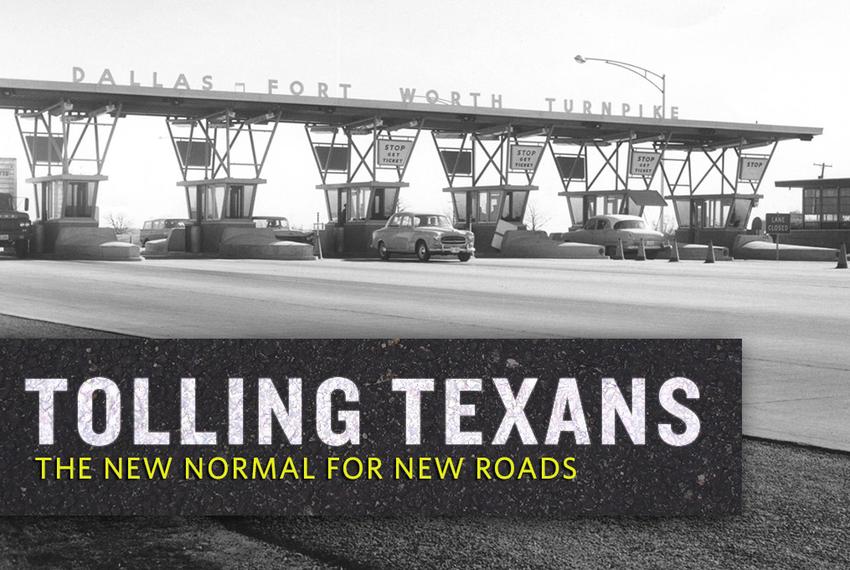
285	427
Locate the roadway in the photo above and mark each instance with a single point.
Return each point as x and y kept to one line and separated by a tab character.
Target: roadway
792	316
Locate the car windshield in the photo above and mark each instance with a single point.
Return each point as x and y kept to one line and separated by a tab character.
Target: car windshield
280	223
274	223
630	225
6	202
433	221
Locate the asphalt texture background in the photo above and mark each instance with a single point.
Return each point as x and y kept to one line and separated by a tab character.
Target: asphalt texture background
796	515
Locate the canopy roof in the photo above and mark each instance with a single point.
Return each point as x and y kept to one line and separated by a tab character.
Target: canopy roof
169	102
814	183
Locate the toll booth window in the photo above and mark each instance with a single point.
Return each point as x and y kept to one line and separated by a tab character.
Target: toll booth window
357	204
711	212
383	203
332	203
844	207
576	206
79	199
192	201
488	206
49	197
513	206
589	206
826	208
460	202
683	212
213	202
239	201
343	215
829	208
740	212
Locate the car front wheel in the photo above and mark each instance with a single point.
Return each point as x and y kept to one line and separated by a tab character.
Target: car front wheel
464	256
383	251
422	252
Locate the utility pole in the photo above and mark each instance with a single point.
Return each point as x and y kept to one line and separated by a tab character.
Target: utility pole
823	166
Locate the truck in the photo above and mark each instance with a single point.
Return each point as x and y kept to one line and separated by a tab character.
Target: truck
15	226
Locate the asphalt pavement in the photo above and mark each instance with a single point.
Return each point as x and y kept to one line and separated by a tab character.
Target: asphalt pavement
792	316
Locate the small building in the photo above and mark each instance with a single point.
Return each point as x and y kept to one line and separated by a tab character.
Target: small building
825	207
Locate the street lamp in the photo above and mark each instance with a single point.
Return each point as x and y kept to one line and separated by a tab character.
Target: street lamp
650	76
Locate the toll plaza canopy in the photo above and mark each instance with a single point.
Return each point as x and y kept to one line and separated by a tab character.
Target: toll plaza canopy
166	102
490	156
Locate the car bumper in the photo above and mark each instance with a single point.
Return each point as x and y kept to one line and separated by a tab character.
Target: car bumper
8	238
451	249
647	245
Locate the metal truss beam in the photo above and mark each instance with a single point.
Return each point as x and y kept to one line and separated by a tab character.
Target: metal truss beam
219	135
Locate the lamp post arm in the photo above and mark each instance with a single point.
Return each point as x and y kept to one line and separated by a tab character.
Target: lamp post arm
640	72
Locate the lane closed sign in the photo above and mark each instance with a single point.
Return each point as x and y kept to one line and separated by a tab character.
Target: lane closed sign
777	224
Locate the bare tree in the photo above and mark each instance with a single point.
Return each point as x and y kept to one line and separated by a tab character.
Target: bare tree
535	217
118	222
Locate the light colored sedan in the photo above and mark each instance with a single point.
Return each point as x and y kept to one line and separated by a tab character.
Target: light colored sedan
422	234
606	230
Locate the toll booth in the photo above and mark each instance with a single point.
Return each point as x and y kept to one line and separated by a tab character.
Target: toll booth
353	160
734	173
479	208
824	214
626	174
64	201
66	147
583	205
214	205
355	210
227	151
480	166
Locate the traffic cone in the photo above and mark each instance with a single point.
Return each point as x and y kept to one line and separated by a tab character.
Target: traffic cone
674	252
619	253
709	255
842	257
641	253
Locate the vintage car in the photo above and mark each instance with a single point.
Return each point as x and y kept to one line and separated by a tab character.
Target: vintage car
160	228
606	230
422	234
281	228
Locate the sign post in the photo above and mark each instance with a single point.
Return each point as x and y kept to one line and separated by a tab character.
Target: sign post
775	225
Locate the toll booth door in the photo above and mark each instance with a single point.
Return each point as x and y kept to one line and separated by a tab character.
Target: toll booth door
342	208
235	202
589	206
698	214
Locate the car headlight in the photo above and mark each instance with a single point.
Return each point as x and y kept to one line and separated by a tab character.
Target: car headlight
25	224
436	239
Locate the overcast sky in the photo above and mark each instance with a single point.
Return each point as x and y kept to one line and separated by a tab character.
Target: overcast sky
776	62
